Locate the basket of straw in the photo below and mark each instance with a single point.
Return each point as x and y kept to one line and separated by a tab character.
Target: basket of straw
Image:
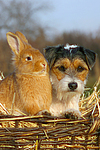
52	133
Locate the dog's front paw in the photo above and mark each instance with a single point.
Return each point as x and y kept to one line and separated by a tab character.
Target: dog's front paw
44	112
72	114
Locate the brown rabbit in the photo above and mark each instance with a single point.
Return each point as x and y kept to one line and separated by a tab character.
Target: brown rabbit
28	88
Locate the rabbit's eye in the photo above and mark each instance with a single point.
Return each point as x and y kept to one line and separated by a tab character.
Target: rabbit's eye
28	58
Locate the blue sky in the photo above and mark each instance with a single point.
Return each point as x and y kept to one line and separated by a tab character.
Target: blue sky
69	15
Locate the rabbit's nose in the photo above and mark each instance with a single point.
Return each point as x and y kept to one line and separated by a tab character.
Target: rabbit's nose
43	65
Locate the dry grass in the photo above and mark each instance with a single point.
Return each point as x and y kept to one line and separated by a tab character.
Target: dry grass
48	132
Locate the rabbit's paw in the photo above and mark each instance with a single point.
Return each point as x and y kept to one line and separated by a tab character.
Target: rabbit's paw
44	112
72	114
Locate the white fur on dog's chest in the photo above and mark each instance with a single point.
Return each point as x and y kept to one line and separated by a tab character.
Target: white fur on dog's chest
59	107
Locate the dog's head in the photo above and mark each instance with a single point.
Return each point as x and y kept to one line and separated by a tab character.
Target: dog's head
69	66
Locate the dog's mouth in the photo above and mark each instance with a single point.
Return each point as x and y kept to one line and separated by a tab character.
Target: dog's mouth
72	91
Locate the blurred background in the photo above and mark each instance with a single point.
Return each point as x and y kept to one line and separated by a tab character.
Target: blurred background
49	23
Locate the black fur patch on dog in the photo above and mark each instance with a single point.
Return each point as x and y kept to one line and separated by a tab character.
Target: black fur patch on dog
54	53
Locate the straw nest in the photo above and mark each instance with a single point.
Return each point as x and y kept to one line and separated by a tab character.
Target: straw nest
48	132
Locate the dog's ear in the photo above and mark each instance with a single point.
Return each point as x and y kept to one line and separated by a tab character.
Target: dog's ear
90	57
51	52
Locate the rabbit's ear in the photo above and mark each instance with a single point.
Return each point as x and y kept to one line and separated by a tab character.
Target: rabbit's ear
14	42
21	36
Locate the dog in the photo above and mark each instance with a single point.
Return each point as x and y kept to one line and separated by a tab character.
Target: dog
69	68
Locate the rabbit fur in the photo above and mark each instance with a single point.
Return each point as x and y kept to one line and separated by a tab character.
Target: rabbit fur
28	88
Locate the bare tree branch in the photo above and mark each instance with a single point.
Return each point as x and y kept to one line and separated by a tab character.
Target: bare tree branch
21	15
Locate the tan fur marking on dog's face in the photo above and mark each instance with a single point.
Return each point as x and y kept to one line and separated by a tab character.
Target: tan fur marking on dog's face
81	69
57	70
76	68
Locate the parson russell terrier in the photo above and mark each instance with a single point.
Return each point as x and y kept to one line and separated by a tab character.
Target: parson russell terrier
69	68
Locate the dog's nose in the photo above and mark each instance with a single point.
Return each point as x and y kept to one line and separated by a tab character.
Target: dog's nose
72	86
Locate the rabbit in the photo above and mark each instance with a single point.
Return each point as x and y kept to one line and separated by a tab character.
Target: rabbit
28	88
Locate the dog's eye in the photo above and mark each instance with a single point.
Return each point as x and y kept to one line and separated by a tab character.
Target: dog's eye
28	58
80	69
62	68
